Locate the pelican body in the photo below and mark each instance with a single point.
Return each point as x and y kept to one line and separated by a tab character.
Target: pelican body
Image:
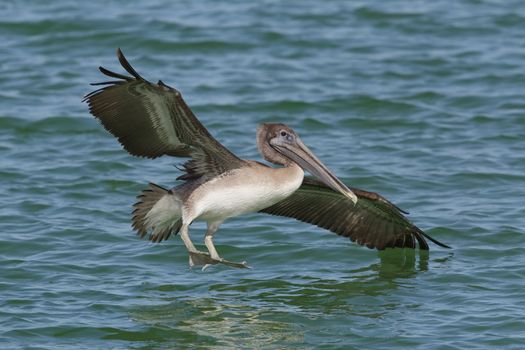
152	120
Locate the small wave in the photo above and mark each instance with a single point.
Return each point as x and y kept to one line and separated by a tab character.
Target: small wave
55	124
369	13
156	45
45	26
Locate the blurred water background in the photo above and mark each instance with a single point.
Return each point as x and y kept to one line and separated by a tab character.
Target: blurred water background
419	101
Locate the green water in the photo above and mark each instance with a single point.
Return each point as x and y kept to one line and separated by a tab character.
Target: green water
419	101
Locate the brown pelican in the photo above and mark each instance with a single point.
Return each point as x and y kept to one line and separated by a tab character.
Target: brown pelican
152	120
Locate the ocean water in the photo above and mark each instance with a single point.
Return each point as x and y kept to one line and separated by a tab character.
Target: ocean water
422	102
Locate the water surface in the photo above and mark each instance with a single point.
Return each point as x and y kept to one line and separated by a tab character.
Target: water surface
421	102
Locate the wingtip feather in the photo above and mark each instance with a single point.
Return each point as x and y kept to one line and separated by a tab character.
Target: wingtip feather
113	74
127	66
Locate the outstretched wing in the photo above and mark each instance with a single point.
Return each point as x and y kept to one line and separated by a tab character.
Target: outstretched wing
151	120
372	221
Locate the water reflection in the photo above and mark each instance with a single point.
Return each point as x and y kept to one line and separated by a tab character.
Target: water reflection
282	309
401	263
218	322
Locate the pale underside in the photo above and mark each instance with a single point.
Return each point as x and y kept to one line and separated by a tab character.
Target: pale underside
237	192
241	191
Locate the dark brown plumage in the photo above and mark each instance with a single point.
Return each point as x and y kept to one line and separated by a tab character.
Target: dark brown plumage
152	120
373	221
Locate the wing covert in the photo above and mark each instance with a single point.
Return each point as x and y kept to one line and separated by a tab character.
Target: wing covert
373	221
152	120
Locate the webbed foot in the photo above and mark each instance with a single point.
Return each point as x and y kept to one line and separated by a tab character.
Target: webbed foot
198	258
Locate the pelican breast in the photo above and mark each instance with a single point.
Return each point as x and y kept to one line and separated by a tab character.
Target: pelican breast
244	190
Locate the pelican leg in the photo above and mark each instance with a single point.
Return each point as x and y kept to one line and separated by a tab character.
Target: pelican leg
208	240
186	238
197	258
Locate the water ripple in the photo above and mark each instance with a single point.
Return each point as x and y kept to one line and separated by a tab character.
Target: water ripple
420	102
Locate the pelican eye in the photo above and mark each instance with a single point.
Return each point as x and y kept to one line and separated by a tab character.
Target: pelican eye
283	133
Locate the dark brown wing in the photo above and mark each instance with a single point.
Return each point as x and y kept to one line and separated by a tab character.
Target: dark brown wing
373	221
151	120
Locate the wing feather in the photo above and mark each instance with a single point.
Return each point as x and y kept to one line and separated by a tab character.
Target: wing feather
152	120
373	221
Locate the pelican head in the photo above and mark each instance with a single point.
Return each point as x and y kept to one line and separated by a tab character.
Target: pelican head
279	144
